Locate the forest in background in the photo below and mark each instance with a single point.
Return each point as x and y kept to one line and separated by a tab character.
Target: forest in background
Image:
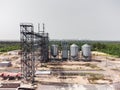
109	47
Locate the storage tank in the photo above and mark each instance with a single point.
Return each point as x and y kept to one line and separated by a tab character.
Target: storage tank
64	45
74	51
54	50
86	51
64	54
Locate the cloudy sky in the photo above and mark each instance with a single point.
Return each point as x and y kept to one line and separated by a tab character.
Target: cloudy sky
64	19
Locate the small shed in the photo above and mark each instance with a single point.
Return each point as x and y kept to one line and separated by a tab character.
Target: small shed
5	64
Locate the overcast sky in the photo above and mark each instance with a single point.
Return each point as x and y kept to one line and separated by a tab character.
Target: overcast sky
64	19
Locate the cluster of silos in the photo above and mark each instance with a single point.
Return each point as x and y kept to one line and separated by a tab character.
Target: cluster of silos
64	51
74	53
85	50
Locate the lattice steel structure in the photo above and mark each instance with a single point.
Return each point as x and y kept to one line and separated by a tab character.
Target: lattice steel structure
27	46
41	47
43	44
44	47
34	48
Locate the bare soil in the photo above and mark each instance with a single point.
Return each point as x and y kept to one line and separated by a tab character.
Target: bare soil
102	64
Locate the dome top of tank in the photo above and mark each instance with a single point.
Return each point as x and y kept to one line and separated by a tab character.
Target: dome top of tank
86	45
74	45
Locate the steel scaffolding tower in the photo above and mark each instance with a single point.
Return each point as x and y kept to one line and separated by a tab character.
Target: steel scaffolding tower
27	46
34	48
41	45
44	47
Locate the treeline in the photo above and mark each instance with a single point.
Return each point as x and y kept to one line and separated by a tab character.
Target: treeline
110	47
6	46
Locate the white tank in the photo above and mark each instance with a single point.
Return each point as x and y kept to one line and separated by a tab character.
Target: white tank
74	50
86	51
54	50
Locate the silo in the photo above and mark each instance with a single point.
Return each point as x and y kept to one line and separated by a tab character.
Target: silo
74	51
54	50
86	52
64	45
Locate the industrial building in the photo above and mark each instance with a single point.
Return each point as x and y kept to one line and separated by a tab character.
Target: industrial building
35	49
41	61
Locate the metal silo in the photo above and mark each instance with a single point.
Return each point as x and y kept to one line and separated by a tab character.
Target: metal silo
86	51
54	50
74	51
64	45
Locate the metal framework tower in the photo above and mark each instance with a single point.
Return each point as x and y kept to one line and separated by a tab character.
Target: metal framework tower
27	46
43	44
44	47
34	48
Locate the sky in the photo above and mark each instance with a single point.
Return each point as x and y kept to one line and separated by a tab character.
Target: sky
64	19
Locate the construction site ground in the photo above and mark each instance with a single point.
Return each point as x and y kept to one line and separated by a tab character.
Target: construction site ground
103	71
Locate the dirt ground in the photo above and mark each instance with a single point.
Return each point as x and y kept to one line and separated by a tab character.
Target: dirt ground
103	69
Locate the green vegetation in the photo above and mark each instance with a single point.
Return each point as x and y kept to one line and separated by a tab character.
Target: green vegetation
93	76
115	69
9	46
91	65
112	48
109	47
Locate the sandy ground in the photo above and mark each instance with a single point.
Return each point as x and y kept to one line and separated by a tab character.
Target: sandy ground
101	64
80	87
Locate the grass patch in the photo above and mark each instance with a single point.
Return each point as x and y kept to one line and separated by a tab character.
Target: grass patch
91	65
5	47
93	77
115	69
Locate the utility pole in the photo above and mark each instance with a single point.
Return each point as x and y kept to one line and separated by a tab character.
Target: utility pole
43	27
38	27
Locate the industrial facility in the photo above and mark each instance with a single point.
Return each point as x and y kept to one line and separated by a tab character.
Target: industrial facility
35	49
40	62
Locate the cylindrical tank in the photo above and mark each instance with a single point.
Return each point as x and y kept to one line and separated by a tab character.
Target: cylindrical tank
54	50
64	45
86	51
64	54
74	51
